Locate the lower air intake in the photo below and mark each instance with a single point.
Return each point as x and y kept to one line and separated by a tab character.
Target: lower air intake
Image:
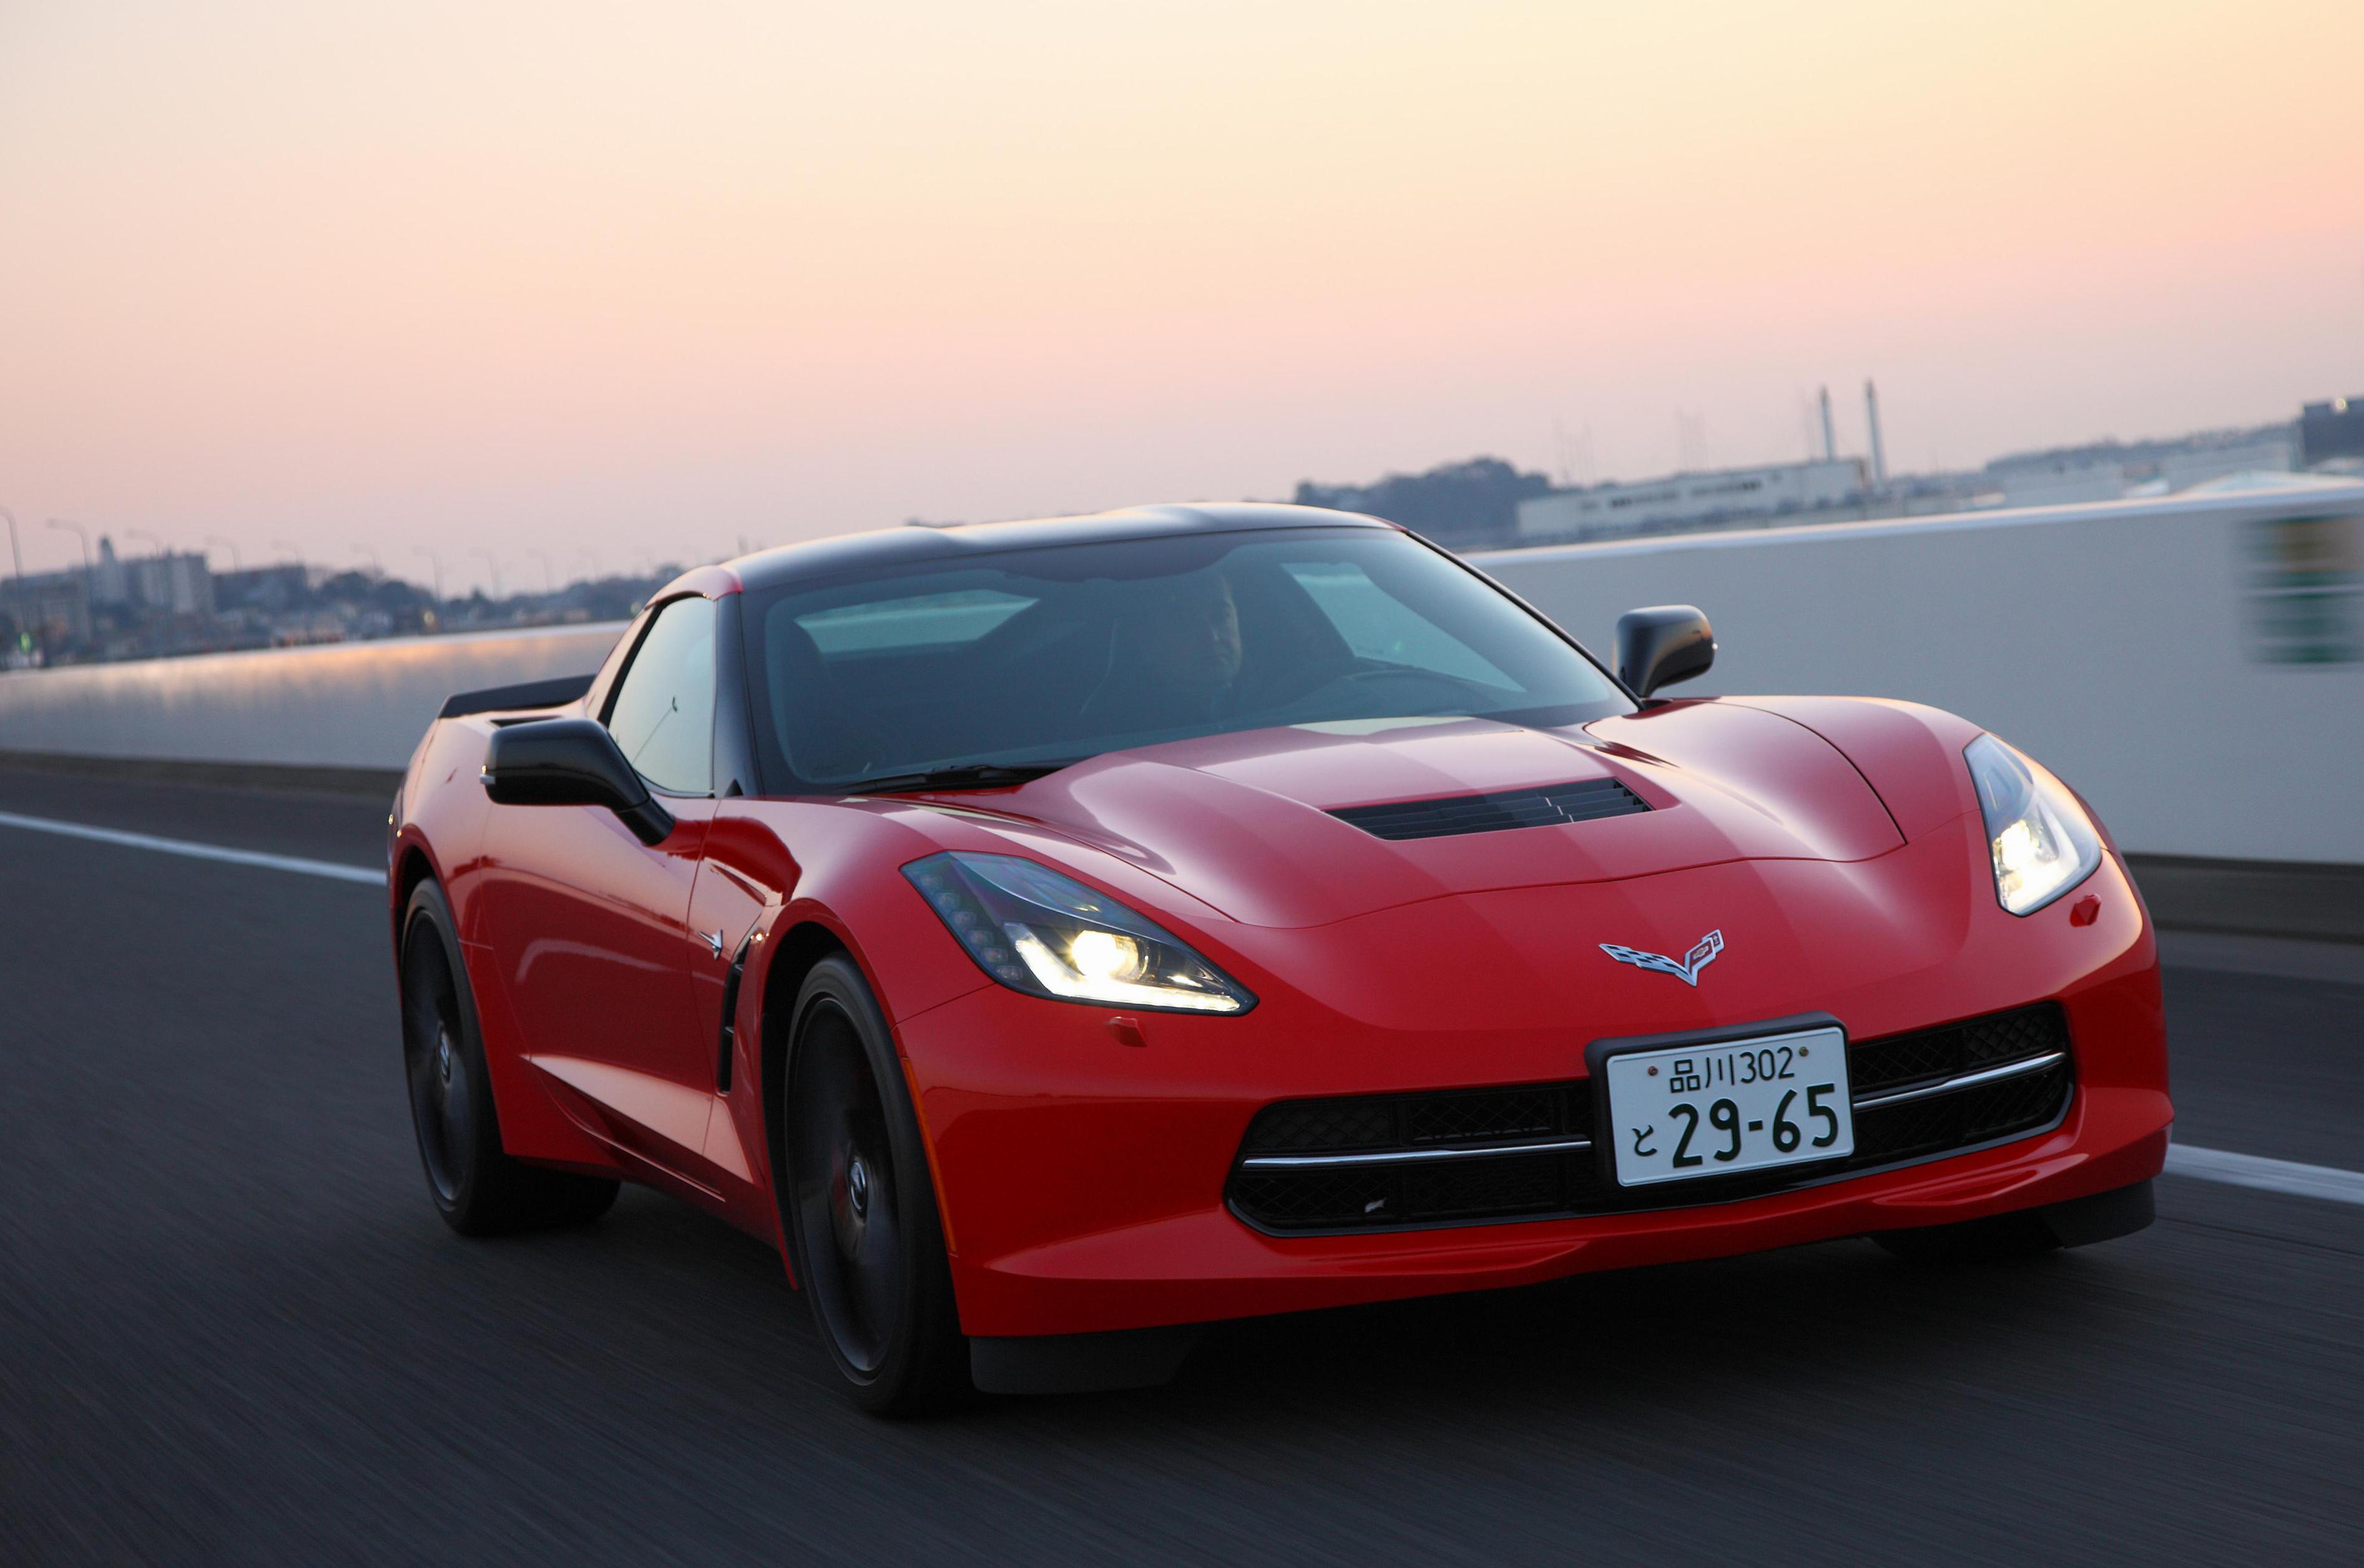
1459	1156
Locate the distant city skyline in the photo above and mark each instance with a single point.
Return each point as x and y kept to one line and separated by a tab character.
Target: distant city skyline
649	282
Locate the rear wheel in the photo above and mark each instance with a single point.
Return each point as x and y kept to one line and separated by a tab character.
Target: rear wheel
477	1188
865	1238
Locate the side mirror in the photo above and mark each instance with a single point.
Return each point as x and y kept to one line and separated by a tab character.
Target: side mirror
1661	645
571	761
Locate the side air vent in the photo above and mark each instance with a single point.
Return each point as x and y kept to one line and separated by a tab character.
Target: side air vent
1492	813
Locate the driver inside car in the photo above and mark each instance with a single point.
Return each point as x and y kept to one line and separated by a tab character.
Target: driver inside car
1179	658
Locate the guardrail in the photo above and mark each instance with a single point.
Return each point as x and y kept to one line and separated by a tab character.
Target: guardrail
2195	665
346	705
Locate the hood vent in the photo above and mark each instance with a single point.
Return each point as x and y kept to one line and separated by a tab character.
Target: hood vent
1544	807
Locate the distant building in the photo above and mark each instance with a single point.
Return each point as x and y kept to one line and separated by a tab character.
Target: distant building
52	607
262	588
1456	504
2329	430
1778	492
178	584
2105	470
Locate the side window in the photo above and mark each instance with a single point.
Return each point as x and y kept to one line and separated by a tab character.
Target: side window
662	715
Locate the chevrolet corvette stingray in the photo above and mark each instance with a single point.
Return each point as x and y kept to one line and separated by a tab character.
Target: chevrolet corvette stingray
1056	937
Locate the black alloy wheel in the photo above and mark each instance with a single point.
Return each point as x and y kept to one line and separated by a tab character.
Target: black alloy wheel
442	1108
867	1241
476	1186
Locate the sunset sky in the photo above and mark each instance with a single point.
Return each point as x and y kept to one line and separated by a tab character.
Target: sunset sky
645	280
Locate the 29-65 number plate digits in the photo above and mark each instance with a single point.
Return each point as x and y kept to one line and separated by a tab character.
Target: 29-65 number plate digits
1742	1105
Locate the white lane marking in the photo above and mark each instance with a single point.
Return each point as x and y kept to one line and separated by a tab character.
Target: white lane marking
2285	1177
329	869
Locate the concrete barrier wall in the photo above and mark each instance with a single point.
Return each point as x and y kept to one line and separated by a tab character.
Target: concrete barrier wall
351	705
2194	665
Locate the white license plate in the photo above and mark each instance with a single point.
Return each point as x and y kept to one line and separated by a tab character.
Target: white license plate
1741	1104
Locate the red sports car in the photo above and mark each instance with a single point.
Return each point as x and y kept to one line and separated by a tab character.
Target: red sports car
1057	936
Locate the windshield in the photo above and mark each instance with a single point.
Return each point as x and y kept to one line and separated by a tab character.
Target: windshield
1047	656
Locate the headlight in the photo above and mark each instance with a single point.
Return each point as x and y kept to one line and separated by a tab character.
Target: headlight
1049	935
2042	843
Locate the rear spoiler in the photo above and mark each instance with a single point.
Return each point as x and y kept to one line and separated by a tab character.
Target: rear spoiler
556	693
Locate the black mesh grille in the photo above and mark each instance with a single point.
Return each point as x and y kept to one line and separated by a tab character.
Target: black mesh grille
1327	1126
1455	1115
1515	1184
1876	1066
1454	1118
1325	1199
1492	813
1574	1182
1916	1128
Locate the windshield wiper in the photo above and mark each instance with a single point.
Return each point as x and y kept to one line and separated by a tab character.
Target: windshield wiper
962	775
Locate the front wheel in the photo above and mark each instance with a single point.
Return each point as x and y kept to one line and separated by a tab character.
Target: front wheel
863	1229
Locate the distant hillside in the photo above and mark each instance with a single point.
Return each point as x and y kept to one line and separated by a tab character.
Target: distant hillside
1470	503
2090	452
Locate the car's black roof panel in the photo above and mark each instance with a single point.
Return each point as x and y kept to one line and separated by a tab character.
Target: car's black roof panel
906	546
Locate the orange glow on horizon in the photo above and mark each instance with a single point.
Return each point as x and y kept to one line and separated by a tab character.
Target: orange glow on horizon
626	277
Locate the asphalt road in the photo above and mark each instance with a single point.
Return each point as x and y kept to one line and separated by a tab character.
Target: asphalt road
232	1330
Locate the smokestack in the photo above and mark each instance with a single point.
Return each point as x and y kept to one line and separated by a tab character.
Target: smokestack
1878	452
1830	441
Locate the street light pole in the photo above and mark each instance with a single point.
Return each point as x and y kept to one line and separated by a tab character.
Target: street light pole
495	562
549	578
375	564
237	562
16	553
83	534
89	588
436	561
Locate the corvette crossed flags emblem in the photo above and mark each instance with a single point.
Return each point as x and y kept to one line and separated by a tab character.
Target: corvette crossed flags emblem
1685	969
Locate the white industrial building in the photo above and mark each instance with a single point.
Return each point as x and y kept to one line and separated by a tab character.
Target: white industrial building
2108	472
1778	492
178	583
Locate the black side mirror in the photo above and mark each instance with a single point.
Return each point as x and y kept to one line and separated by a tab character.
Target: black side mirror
571	761
1662	644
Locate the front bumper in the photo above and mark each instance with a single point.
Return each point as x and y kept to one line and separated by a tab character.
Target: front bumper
1083	1180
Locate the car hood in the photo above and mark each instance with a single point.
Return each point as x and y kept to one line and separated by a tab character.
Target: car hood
1242	822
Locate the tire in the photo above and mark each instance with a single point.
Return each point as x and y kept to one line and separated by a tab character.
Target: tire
1995	1240
476	1187
863	1234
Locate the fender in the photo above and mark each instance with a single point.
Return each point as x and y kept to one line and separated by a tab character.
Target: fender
1910	754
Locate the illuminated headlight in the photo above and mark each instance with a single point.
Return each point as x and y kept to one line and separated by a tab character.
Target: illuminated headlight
1049	935
2042	843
